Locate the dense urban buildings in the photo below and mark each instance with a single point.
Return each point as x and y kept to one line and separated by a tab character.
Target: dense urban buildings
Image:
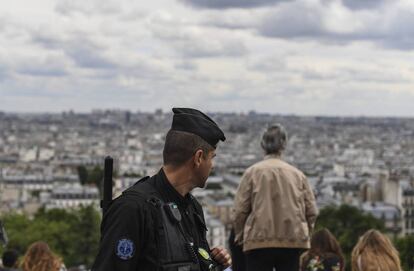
56	160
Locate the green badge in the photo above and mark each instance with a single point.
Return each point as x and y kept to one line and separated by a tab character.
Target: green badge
204	253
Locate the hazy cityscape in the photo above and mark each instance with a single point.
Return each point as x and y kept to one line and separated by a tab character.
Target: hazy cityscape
84	80
364	162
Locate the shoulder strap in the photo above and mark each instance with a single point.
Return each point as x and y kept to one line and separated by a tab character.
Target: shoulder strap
145	190
142	180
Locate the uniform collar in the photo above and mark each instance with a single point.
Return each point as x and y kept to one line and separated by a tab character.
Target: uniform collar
169	193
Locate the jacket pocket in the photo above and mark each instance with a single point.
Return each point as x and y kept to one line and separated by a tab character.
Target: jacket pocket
305	231
248	231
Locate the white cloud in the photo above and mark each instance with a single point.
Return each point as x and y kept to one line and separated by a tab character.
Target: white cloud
383	23
302	56
224	4
365	4
191	40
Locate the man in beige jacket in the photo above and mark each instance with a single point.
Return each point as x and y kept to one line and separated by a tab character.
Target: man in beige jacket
275	209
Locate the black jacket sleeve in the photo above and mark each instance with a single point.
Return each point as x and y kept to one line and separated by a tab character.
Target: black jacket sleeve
122	236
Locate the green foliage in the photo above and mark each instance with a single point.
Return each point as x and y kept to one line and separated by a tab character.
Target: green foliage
73	235
405	247
16	226
90	175
83	174
347	224
87	236
93	176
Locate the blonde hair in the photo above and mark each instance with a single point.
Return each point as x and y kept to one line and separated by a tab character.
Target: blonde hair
39	257
375	252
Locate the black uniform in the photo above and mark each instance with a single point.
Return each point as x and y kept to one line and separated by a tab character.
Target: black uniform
139	233
151	226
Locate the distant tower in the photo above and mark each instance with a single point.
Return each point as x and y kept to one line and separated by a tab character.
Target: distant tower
391	190
367	193
127	117
158	112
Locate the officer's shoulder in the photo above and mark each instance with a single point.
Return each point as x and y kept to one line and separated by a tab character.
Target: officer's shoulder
136	195
124	207
141	189
126	202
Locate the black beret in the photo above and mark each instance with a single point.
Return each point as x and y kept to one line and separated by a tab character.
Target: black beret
196	122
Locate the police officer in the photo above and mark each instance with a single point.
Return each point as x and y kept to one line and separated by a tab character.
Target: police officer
157	224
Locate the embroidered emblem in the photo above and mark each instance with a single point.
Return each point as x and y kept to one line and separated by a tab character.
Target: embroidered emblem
125	249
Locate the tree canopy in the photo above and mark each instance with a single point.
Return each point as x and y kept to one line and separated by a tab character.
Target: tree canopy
348	223
73	235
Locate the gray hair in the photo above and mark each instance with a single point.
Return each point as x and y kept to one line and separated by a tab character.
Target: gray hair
274	139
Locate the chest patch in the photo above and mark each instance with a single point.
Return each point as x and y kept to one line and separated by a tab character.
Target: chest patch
125	249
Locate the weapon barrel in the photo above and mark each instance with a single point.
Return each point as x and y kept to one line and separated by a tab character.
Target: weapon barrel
107	184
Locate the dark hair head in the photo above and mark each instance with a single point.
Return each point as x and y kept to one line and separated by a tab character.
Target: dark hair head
274	139
181	146
10	258
324	244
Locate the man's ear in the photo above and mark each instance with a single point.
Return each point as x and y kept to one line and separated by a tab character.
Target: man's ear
198	156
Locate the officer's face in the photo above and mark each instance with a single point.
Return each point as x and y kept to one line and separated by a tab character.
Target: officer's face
205	168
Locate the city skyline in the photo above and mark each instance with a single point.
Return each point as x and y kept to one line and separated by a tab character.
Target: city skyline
302	57
169	110
55	160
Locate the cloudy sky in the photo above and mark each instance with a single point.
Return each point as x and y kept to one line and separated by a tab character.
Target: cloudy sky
307	57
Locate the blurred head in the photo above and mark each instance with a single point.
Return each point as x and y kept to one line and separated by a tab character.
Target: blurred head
191	142
182	148
39	257
274	139
324	244
9	258
374	251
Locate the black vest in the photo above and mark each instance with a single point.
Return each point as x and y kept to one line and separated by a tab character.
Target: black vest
175	251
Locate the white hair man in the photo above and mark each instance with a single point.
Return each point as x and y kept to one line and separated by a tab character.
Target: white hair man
275	209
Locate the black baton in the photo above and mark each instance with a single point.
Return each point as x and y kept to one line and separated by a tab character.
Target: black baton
107	184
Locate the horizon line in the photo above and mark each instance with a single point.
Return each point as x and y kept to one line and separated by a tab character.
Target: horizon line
249	112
